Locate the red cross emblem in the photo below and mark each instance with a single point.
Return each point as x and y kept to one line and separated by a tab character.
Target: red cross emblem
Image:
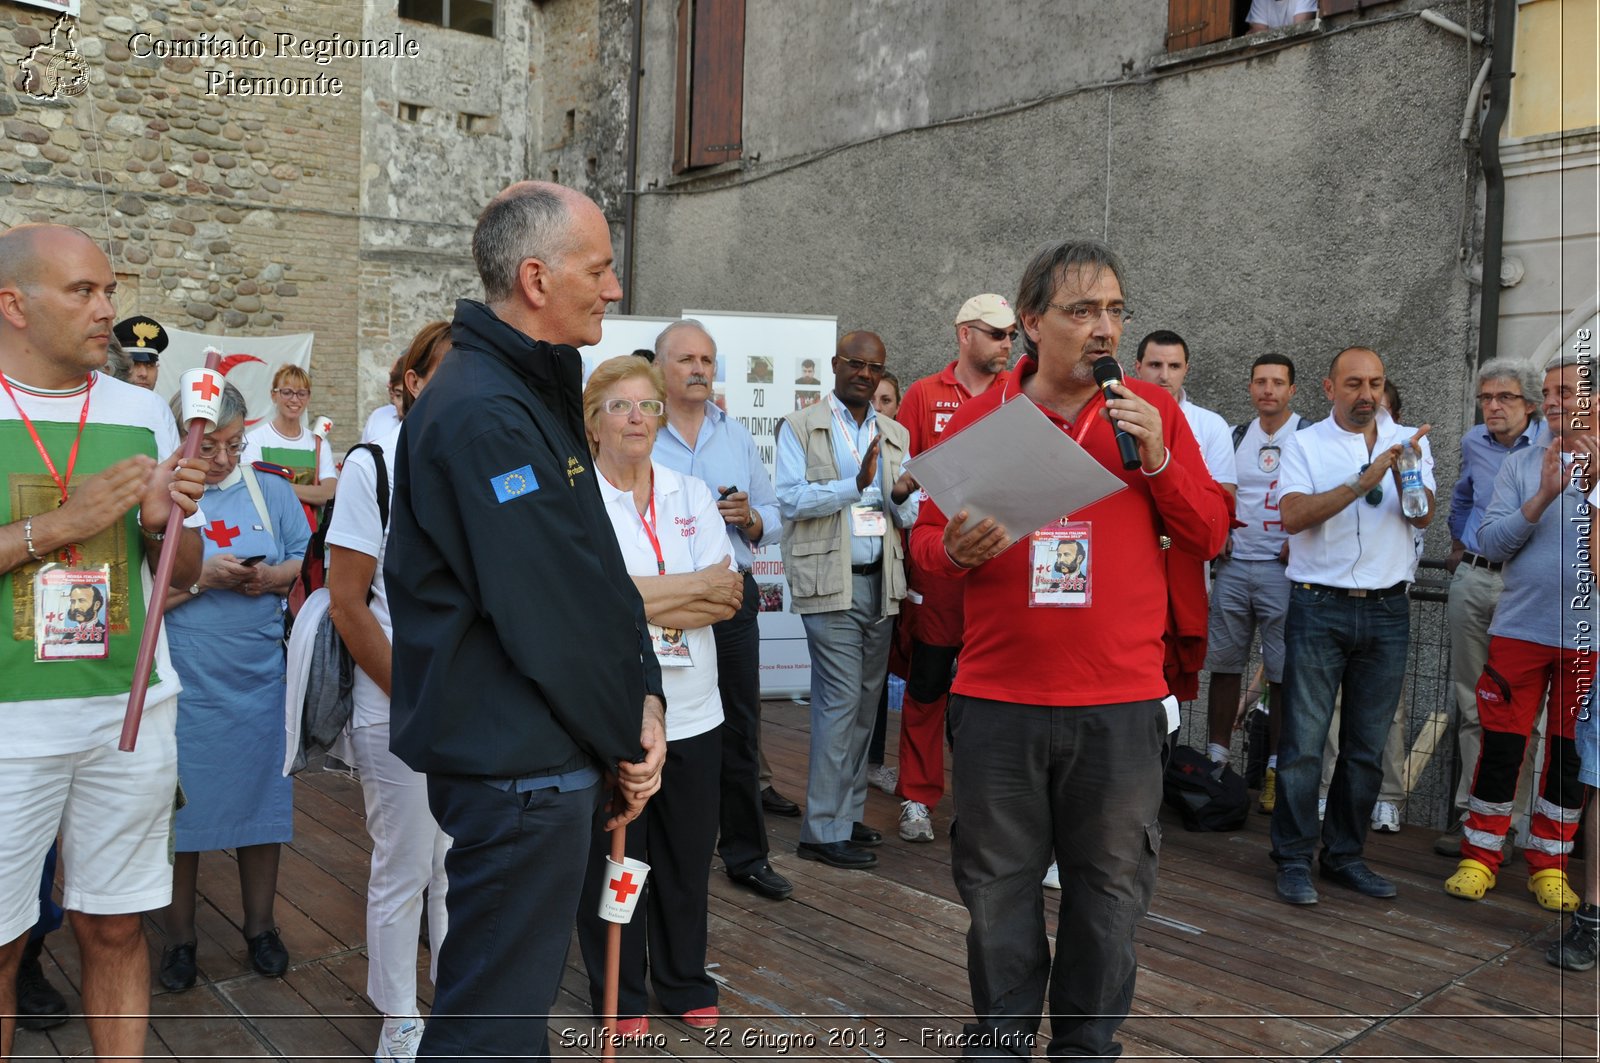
624	887
221	534
207	389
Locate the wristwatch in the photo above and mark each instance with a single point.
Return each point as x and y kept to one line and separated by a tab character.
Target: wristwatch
194	588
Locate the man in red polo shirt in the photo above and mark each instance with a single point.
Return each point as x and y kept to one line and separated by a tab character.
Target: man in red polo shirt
1056	712
985	327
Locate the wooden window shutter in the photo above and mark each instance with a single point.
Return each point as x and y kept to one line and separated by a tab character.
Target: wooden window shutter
1191	23
710	107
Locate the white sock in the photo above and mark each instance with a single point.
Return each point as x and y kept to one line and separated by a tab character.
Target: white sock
1272	762
1218	754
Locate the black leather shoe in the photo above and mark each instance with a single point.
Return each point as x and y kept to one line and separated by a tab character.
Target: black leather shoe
839	854
777	804
861	834
177	967
267	954
1361	878
40	1006
765	881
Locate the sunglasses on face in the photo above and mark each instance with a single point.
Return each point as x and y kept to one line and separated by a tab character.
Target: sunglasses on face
993	333
856	365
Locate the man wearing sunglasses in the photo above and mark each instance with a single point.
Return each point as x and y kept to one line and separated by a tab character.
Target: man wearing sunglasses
1508	391
839	486
1348	625
986	326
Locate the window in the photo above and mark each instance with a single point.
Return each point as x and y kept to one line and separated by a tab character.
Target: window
468	16
411	112
476	124
1192	23
709	123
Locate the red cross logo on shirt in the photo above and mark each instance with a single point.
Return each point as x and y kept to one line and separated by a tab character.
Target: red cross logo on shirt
624	887
207	390
221	534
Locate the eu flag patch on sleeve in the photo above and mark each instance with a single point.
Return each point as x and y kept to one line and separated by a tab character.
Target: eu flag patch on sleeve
513	484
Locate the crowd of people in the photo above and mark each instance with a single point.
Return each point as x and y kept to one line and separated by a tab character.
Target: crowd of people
501	757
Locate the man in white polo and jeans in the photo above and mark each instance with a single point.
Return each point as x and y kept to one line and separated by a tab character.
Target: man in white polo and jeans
1349	622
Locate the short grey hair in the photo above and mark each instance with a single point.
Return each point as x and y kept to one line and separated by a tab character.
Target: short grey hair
232	407
679	326
1051	263
1567	356
1507	368
525	221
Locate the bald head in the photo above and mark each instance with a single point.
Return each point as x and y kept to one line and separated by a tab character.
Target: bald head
1355	387
862	344
25	248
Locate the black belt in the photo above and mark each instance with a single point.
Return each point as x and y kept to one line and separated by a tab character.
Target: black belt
868	570
1479	561
1357	592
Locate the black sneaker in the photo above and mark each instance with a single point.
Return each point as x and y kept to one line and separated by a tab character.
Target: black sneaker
40	1005
1575	950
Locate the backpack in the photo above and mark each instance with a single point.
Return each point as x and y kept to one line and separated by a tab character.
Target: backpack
1208	799
321	692
1240	429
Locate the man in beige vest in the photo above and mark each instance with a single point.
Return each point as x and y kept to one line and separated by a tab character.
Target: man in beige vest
838	463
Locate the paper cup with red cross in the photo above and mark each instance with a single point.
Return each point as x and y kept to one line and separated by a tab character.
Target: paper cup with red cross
322	427
202	396
619	894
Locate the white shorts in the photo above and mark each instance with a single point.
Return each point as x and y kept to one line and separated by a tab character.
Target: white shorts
114	813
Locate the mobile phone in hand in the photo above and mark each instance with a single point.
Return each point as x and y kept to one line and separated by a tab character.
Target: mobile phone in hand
251	561
722	496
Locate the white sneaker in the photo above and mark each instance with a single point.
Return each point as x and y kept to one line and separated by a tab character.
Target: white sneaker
400	1045
883	777
1052	877
915	826
1386	817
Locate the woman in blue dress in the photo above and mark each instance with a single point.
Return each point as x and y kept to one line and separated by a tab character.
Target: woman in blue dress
226	633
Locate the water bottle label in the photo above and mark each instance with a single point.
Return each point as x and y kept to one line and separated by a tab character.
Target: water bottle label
1411	480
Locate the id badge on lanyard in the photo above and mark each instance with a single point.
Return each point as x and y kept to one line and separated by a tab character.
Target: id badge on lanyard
71	612
1060	556
669	644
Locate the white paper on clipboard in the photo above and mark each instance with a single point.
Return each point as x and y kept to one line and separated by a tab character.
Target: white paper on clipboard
1015	465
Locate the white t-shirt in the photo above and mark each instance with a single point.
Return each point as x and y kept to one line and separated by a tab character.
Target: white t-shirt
1262	536
1361	546
122	420
690	531
357	525
381	422
1276	13
1215	439
266	443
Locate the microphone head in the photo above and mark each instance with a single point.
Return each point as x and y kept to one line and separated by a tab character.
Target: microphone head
1106	370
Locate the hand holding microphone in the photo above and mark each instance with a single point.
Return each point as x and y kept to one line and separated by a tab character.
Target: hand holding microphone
1108	375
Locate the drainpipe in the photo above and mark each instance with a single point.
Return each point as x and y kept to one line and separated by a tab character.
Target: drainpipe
630	156
1494	178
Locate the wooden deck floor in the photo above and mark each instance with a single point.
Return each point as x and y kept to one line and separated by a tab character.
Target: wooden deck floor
872	964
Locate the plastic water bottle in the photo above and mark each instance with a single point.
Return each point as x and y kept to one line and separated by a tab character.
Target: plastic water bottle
1413	496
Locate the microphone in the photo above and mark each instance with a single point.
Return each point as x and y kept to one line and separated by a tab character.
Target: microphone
1106	373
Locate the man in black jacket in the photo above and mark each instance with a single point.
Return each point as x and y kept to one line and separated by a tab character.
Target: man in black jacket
513	713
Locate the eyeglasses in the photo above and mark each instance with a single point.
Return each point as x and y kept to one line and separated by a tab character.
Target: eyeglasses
209	449
856	365
1374	496
624	407
292	393
1504	398
993	333
1082	313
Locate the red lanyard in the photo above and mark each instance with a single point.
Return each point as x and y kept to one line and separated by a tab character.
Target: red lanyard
1086	417
72	458
650	528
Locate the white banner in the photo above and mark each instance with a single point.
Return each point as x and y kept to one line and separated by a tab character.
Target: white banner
247	361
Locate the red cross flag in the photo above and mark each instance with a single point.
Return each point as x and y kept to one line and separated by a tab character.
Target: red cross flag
202	396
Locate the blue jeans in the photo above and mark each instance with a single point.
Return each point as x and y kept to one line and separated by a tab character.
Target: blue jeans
1335	645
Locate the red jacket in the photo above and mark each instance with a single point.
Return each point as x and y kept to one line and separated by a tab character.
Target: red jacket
926	409
1112	650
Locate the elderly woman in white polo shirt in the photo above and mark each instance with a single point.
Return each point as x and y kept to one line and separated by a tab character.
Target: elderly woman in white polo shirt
672	540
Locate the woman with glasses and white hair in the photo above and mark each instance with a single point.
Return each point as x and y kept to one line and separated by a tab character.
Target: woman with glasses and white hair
226	636
673	542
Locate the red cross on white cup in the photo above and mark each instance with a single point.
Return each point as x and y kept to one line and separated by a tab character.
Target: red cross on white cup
622	886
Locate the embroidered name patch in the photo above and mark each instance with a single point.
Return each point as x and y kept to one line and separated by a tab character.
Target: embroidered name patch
513	484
